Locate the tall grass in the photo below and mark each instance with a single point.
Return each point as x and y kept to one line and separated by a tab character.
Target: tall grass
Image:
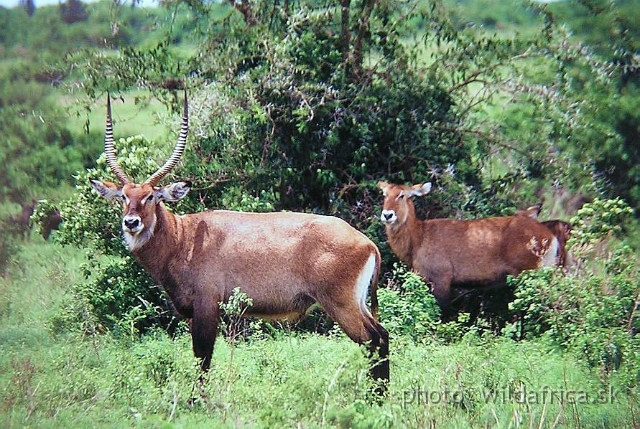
276	380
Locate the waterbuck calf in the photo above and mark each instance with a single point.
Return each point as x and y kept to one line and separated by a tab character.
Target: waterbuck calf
467	253
284	262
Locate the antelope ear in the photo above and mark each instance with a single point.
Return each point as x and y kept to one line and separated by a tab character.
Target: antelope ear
173	192
106	190
383	185
420	190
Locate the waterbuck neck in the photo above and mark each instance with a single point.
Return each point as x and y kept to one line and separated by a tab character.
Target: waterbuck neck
157	252
405	237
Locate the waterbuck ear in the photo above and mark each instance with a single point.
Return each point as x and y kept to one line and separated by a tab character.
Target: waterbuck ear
106	190
420	190
534	211
173	192
383	185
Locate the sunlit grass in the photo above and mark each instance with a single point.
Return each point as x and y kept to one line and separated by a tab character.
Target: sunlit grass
286	380
133	114
37	280
308	380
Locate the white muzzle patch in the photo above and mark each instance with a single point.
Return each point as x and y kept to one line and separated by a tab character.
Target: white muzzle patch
388	216
132	224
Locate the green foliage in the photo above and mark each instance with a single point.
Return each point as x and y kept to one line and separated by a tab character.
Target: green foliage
591	311
407	307
119	296
46	34
39	152
41	218
594	317
605	36
300	131
598	220
234	325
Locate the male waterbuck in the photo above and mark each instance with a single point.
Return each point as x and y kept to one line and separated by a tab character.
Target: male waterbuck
448	253
284	262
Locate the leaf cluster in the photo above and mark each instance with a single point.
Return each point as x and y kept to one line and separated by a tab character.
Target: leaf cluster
407	307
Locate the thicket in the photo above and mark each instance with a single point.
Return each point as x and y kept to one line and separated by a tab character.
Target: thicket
308	109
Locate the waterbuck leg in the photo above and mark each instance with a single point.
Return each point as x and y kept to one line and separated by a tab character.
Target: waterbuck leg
443	296
379	354
204	330
364	329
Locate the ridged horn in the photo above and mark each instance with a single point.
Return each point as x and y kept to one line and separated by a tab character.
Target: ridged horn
177	151
109	148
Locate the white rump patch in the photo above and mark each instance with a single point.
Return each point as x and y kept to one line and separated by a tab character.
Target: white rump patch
363	282
550	258
547	252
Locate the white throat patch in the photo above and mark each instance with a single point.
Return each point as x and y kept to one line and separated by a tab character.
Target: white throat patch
137	240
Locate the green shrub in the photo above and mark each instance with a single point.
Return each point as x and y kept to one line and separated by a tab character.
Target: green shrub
596	221
407	307
592	310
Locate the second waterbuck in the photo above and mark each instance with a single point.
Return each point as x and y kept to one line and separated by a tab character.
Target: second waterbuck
468	253
284	262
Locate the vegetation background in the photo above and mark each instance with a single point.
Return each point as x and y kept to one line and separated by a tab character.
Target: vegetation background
305	106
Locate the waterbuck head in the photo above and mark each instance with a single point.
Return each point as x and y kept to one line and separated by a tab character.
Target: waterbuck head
398	203
140	201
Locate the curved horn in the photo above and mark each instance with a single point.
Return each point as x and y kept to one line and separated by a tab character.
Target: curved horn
109	149
177	151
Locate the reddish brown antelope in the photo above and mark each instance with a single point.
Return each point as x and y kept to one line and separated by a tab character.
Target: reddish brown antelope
467	253
284	262
559	228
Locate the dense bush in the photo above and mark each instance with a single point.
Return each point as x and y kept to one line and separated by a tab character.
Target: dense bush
592	309
291	117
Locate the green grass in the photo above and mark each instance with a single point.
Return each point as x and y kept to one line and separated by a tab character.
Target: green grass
148	117
284	381
310	381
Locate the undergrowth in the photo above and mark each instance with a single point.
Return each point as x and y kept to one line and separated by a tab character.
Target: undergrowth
576	366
